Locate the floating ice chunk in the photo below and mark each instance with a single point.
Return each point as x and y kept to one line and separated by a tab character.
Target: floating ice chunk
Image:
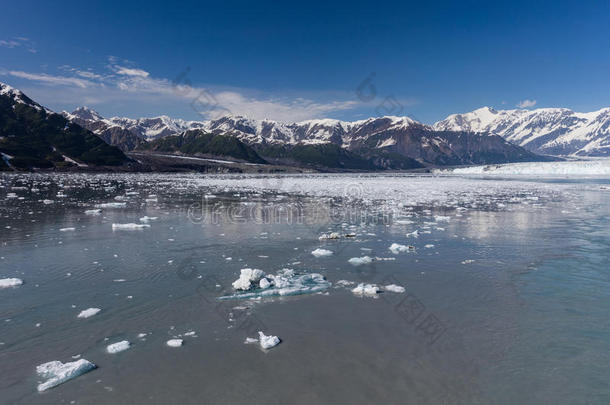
67	229
429	246
11	195
366	289
118	347
250	340
174	342
10	282
267	342
413	234
129	227
56	372
111	205
321	252
468	261
147	219
247	277
47	202
358	261
345	283
398	248
332	235
93	212
264	283
285	282
394	288
89	312
441	218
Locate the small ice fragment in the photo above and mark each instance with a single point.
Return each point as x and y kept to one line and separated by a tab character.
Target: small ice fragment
250	340
439	218
321	252
413	234
56	372
398	248
394	288
357	261
191	333
47	202
264	283
147	219
93	212
468	261
429	246
267	342
246	277
141	335
111	205
10	282
129	227
118	347
174	342
332	235
67	229
89	312
345	283
366	289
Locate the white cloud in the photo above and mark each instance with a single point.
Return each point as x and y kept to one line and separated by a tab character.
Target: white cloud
131	72
526	103
18	42
56	80
136	87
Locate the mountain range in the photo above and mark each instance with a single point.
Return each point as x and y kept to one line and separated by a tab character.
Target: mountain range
32	136
551	131
371	144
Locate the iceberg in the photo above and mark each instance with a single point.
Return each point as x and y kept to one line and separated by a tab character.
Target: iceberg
56	372
174	342
111	205
89	312
394	288
118	347
358	261
247	277
284	283
10	282
129	227
267	342
398	248
321	252
366	289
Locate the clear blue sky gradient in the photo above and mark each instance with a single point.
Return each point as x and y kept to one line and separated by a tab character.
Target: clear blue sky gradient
435	58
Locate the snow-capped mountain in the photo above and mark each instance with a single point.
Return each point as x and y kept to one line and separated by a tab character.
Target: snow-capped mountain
34	137
552	131
384	142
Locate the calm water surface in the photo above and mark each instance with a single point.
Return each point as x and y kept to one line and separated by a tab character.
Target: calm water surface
507	289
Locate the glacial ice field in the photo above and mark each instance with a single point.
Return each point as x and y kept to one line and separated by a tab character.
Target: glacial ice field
314	288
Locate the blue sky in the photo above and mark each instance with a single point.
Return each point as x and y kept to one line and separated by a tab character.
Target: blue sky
310	59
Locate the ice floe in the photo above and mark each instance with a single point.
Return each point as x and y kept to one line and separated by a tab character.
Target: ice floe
174	342
247	277
56	372
394	288
89	312
366	289
10	282
268	341
321	252
359	261
397	248
285	282
111	205
118	347
129	227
